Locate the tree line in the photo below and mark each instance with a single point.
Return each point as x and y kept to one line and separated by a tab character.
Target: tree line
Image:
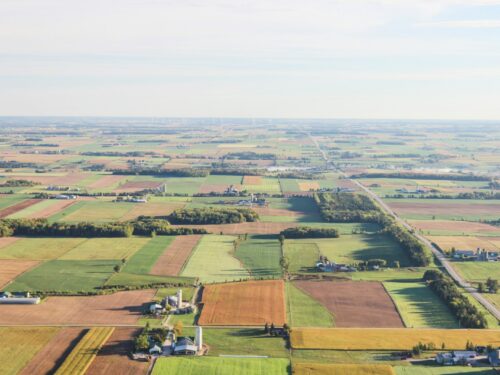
467	314
212	216
160	172
309	232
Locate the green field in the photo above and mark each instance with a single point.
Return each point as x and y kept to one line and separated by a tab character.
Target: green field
65	276
477	271
305	311
97	211
10	200
260	255
213	261
145	258
33	209
268	185
221	366
419	306
303	256
106	248
40	248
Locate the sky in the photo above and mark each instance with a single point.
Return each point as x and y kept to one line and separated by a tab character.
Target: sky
423	59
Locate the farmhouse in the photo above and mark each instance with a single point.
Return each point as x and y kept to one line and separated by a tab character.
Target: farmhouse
494	357
186	346
458	357
464	254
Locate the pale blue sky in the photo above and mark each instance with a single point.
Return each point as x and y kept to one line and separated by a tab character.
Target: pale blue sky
274	58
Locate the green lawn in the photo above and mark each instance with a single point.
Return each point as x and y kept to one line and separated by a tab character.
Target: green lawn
221	366
65	276
305	311
260	254
106	248
213	261
302	255
40	248
477	271
419	306
145	258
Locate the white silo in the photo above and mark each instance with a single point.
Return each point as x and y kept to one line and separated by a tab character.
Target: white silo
198	339
179	298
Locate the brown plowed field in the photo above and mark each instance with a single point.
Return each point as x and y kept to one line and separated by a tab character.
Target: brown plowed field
114	358
244	304
252	180
458	226
172	260
52	209
118	308
355	303
47	360
444	208
17	207
10	269
106	181
256	227
138	185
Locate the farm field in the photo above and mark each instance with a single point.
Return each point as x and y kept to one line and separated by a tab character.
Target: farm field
39	248
419	306
50	357
96	211
477	271
82	355
442	370
335	369
388	338
221	366
305	311
13	268
123	307
143	259
455	227
260	255
446	243
343	299
213	261
303	256
17	206
20	344
245	303
175	255
106	248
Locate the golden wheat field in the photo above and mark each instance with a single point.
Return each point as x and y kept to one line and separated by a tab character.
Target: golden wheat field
389	338
341	369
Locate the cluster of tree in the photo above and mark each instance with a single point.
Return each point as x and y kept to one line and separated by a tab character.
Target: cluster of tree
467	314
142	342
491	286
147	225
19	183
395	156
194	172
249	155
235	172
418	253
423	176
17	164
309	232
301	175
495	185
35	145
212	216
391	143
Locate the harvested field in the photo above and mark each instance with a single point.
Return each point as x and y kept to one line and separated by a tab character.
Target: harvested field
113	358
446	243
54	208
354	303
152	209
81	357
106	181
451	225
47	360
171	262
341	369
257	227
17	207
389	338
118	308
6	241
244	304
216	188
448	208
10	269
138	185
252	180
306	186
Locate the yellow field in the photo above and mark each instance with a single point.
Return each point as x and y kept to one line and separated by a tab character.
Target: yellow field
464	243
81	357
20	344
389	338
306	186
341	369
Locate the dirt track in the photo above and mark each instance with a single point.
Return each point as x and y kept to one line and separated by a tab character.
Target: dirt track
118	308
355	303
246	303
172	260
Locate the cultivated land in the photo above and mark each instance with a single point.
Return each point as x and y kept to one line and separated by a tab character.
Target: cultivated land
354	303
247	303
281	162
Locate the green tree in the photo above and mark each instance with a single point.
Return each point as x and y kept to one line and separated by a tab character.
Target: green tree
142	342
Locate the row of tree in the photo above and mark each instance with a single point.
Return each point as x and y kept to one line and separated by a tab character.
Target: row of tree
160	172
212	216
467	314
19	183
309	232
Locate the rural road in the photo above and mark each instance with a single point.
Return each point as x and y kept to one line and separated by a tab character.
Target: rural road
438	254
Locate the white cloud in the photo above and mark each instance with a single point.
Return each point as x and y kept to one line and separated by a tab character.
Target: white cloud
467	24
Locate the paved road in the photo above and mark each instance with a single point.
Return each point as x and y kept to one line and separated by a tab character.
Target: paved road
438	254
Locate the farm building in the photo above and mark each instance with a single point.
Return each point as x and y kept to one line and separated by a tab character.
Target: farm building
18	298
494	357
458	357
